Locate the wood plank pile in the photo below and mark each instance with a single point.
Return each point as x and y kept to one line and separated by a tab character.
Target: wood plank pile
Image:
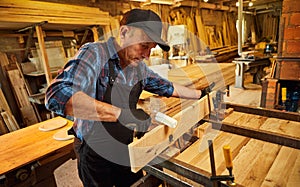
7	120
17	83
29	11
200	75
255	162
226	53
202	34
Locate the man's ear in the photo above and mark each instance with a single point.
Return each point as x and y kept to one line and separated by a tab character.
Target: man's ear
123	30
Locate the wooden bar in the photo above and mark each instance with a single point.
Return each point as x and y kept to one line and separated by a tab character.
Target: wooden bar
265	112
42	49
200	75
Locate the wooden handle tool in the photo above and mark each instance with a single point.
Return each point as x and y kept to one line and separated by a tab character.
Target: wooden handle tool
283	94
228	157
229	164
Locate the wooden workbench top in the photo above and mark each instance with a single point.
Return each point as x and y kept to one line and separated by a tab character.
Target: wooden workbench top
29	144
255	162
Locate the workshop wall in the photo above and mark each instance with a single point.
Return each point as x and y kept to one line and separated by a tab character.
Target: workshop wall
12	46
291	37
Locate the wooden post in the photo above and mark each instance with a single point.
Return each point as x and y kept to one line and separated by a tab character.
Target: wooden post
107	32
42	49
95	33
240	20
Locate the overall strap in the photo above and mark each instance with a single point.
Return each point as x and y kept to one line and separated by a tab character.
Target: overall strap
111	74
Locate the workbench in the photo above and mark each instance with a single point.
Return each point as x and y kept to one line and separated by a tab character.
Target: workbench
254	65
29	156
265	147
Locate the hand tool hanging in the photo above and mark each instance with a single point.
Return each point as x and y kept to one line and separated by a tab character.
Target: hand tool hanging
30	37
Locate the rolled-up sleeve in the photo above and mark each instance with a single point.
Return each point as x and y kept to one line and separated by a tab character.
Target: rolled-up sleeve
154	83
79	74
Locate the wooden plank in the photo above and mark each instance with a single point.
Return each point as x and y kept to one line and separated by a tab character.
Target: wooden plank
44	56
95	33
58	20
202	160
27	11
154	142
200	145
62	14
3	103
18	87
245	120
39	5
286	127
294	178
3	127
282	168
10	121
253	162
28	114
3	59
200	28
201	75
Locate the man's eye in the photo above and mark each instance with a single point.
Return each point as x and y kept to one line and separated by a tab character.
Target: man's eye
144	46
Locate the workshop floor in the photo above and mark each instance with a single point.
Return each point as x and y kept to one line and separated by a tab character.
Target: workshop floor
66	175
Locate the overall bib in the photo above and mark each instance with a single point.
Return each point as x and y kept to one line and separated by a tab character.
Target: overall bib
103	155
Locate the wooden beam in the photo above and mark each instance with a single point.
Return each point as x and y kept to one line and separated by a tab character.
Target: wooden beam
30	12
42	49
158	139
95	33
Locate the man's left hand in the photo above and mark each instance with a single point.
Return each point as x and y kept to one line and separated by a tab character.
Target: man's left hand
207	90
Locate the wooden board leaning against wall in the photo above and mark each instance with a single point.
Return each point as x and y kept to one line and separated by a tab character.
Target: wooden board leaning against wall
12	74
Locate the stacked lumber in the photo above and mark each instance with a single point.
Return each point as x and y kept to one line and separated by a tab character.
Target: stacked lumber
29	11
225	54
200	28
200	75
21	93
7	120
255	162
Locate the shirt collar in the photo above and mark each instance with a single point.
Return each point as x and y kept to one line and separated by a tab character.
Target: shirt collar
113	54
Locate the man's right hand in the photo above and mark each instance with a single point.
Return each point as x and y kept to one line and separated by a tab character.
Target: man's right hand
135	118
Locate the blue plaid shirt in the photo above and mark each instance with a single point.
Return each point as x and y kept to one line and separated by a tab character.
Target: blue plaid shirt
89	66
